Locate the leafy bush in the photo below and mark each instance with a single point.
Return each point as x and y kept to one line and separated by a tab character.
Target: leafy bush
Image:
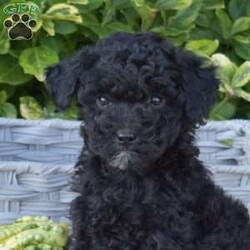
216	29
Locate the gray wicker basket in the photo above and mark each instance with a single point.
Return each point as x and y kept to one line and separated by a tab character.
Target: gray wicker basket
37	159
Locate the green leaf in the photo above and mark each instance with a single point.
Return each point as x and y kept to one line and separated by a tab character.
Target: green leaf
242	50
242	94
57	43
118	26
65	27
49	27
89	7
11	72
103	31
242	39
63	12
241	24
213	4
223	110
173	4
30	108
224	22
4	46
8	110
206	47
146	13
82	2
242	75
238	8
167	31
35	60
204	19
3	97
70	114
179	39
122	4
227	142
185	19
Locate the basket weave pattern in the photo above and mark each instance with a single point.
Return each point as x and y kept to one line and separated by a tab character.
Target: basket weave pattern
37	159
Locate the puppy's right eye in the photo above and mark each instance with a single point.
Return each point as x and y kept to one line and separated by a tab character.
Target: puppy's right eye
102	102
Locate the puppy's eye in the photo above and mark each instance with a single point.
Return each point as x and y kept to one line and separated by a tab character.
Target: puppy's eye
155	100
102	102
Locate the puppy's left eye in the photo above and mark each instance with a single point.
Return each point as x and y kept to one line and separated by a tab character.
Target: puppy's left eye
102	102
155	100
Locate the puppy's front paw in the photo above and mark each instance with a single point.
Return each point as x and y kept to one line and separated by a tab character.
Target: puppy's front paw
73	244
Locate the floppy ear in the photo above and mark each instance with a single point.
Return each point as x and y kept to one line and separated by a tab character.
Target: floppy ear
199	85
63	79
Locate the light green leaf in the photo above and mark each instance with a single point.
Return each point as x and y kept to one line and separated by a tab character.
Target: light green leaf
63	12
30	108
242	50
49	27
242	39
241	24
11	72
8	110
226	68
242	75
35	60
173	4
224	22
82	2
242	94
206	47
3	97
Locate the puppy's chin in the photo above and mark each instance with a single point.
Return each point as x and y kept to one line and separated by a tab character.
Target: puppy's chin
122	160
129	161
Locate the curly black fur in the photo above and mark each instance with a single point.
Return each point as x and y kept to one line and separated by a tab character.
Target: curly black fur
141	185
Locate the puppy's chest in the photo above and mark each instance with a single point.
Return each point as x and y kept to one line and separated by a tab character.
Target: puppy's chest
139	212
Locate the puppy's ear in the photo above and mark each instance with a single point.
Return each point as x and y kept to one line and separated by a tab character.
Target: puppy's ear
63	79
199	85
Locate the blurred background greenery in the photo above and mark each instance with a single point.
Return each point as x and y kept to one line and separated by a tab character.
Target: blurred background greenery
216	29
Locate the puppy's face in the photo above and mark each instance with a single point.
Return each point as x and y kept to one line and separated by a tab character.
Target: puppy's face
130	119
137	92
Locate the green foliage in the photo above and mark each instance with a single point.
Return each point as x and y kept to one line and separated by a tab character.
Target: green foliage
33	233
216	29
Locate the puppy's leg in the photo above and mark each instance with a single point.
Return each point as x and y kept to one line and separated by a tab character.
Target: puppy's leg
78	210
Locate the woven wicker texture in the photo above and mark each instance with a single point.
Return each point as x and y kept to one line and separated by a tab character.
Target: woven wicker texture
37	159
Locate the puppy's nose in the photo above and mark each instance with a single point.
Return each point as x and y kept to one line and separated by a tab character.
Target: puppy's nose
125	136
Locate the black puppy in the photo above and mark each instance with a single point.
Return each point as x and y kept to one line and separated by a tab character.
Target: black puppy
141	185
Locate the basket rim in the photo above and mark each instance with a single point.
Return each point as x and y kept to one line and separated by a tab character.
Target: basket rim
72	124
54	123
